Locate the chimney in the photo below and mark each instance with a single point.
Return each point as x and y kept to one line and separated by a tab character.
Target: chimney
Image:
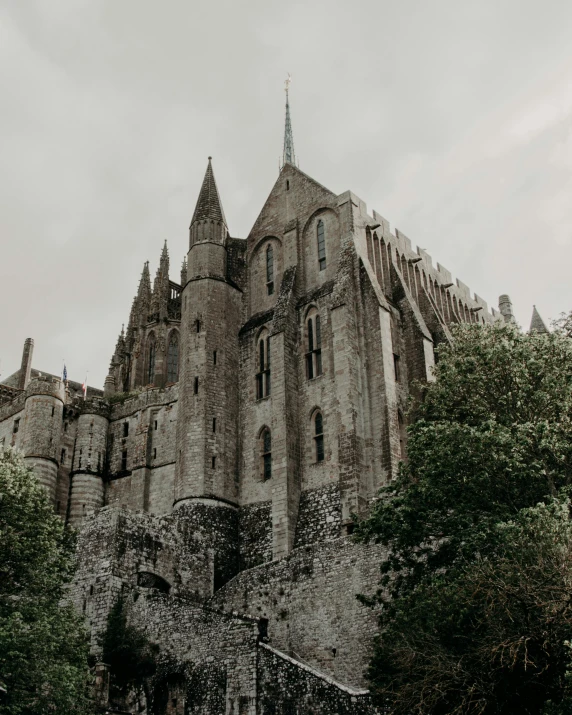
26	367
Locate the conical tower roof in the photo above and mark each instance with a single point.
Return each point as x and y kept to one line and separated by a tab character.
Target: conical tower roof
209	206
536	323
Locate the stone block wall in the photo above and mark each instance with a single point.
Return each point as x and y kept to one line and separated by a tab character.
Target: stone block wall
286	685
319	516
309	599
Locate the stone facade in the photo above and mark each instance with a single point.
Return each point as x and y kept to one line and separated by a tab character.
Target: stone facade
252	406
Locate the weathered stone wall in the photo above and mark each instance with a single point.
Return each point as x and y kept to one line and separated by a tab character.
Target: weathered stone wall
309	599
286	685
255	534
319	515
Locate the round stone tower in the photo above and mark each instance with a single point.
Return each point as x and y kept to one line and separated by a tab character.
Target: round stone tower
87	487
45	398
207	424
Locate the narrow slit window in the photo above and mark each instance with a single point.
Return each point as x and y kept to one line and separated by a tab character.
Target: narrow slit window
196	385
213	462
314	347
151	354
263	368
321	245
319	436
198	326
126	429
214	357
214	424
266	455
397	368
173	358
63	456
270	270
16	426
124	460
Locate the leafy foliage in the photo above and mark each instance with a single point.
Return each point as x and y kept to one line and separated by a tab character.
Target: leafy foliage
489	462
43	646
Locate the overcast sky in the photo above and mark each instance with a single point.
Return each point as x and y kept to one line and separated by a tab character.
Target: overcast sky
450	118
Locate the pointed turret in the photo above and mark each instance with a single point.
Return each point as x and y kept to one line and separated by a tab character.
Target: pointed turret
288	155
537	324
184	273
144	296
160	297
120	345
208	222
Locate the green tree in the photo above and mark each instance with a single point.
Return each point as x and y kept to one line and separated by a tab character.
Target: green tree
43	646
491	438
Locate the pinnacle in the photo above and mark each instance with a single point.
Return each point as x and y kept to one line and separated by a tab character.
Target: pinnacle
537	324
209	207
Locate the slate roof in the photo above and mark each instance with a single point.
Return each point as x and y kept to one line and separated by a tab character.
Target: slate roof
208	205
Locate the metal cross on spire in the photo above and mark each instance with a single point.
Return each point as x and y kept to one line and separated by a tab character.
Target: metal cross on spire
288	156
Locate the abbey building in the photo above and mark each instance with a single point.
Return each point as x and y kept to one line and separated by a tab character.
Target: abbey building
254	402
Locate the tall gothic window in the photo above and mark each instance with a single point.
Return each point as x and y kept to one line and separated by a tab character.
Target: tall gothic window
151	354
263	366
266	454
173	358
319	436
321	245
314	346
270	270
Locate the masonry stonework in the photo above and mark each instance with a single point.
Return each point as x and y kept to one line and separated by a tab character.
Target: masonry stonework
253	406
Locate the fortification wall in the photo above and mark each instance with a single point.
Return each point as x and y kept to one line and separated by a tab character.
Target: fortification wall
309	599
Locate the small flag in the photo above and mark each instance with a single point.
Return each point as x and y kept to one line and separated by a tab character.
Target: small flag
84	387
65	373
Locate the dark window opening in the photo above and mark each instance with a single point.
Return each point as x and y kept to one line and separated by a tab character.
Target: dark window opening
173	358
16	426
397	368
314	354
287	185
53	411
80	455
198	326
266	441
152	352
124	460
91	590
126	429
321	245
213	462
155	425
63	456
263	372
196	385
65	426
214	424
154	452
319	436
270	270
214	357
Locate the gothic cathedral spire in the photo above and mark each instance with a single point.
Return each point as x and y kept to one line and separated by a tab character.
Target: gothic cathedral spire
288	156
209	206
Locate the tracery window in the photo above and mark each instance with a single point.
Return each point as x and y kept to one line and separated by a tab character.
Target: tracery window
266	454
320	233
270	270
151	354
319	436
263	366
173	358
314	346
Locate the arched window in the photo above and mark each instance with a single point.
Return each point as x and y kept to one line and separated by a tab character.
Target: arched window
314	345
173	358
321	245
263	366
319	436
270	270
266	454
151	354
